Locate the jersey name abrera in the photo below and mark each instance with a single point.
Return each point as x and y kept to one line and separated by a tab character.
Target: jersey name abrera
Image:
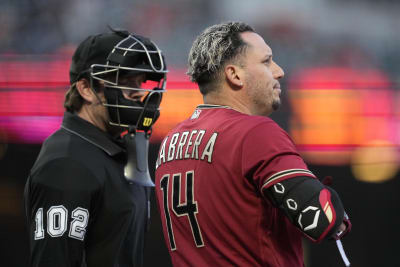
194	144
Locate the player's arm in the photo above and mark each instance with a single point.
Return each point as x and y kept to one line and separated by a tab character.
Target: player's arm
58	200
314	208
272	163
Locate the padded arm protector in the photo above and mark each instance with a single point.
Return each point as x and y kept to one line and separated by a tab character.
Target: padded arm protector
314	208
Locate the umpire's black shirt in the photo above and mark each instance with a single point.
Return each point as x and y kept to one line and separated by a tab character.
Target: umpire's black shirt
81	211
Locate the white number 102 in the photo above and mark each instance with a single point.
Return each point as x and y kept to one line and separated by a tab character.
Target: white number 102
57	217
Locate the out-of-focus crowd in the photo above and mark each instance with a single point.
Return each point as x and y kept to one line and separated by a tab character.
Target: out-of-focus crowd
356	34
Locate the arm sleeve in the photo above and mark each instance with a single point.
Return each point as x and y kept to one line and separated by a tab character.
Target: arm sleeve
270	156
60	202
312	207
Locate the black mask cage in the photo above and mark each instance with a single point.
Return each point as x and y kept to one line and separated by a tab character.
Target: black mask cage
132	55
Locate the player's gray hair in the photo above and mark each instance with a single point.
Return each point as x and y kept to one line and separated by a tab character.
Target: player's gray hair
215	46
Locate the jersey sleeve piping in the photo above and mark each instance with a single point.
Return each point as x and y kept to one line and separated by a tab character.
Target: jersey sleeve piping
279	176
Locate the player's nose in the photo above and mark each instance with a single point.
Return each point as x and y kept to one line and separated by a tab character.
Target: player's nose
277	71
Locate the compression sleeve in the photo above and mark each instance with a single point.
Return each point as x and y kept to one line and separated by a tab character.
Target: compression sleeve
314	208
60	202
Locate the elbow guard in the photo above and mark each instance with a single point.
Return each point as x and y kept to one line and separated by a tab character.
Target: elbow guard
314	208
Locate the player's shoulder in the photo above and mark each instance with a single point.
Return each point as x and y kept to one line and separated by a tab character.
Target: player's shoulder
259	120
254	122
227	119
264	130
181	126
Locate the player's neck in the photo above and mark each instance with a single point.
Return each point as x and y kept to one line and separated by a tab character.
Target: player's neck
234	101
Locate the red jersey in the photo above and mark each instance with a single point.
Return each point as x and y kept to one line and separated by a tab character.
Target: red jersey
211	170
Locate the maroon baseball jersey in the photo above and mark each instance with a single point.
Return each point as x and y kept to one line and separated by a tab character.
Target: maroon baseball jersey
211	170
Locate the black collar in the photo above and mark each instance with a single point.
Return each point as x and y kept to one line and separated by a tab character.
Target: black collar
84	129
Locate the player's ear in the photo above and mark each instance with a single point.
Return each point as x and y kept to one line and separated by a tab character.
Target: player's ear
234	76
83	87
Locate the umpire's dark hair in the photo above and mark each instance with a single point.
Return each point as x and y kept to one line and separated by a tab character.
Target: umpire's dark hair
73	100
212	49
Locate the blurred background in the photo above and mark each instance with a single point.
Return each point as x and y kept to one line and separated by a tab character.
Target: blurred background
341	99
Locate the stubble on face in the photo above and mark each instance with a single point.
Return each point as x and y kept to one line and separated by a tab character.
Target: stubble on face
102	118
261	77
264	97
276	102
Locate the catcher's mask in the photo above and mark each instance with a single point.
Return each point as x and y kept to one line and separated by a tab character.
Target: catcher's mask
125	55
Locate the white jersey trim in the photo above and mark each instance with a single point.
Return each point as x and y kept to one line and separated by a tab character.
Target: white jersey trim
209	106
282	174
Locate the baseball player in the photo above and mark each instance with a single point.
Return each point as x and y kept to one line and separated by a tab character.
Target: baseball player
232	189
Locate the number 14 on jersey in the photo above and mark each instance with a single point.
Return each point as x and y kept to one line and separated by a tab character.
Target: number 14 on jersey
188	208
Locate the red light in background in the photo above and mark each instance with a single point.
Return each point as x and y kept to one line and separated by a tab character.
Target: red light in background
336	110
32	93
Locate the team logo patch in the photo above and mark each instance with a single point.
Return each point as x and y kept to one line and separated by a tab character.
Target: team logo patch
195	114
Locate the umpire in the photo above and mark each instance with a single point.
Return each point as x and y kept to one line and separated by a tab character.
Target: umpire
86	197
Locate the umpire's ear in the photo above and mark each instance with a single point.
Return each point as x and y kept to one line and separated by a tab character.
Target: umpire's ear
85	91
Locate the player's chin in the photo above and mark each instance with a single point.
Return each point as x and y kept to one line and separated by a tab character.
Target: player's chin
276	103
